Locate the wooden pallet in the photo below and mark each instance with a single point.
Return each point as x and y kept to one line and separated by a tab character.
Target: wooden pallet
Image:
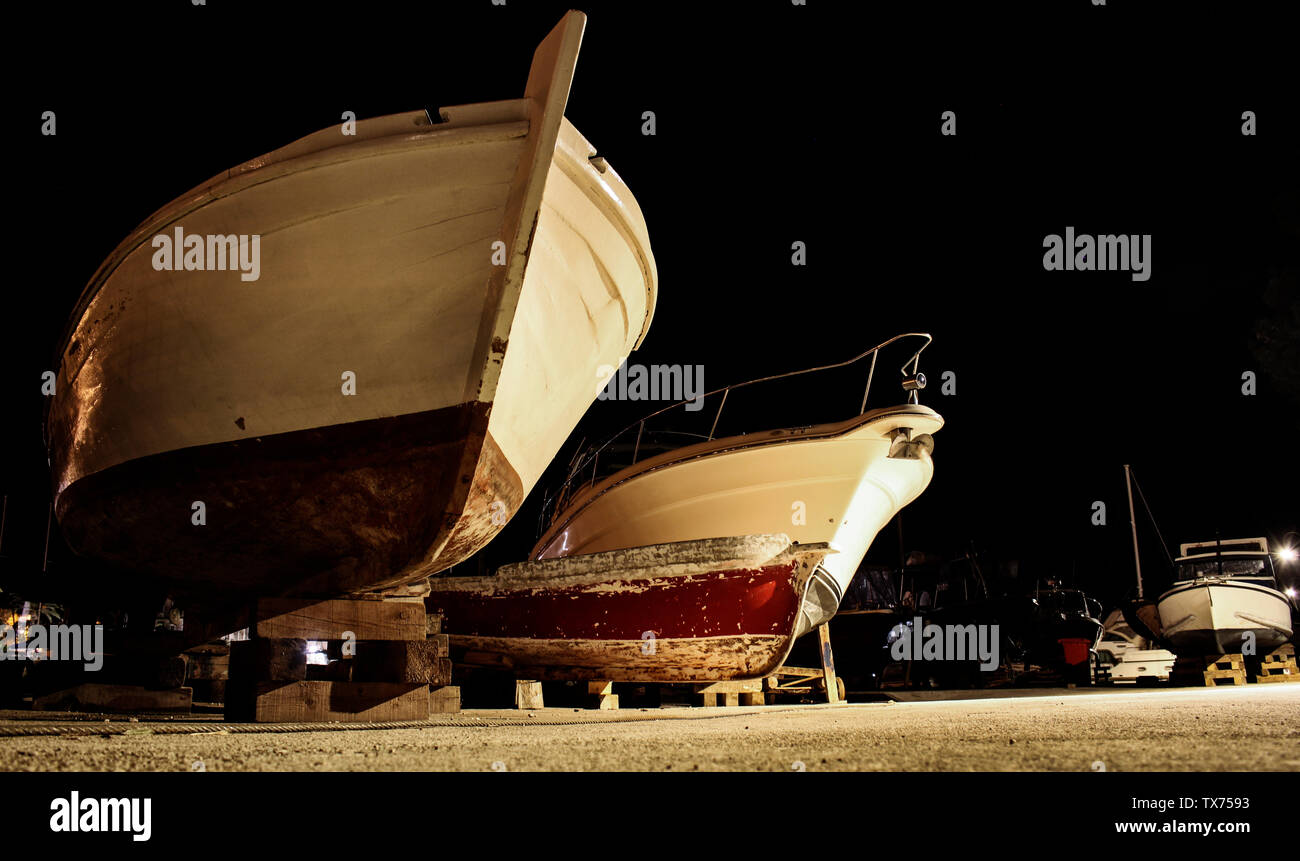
1209	670
1278	666
384	664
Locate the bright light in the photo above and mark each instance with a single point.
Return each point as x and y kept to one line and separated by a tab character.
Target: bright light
1287	554
1290	592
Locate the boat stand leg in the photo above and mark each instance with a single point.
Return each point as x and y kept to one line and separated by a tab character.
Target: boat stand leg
828	663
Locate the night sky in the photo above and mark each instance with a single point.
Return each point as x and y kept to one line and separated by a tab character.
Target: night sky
778	123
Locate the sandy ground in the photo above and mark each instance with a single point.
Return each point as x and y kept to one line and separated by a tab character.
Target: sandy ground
1251	728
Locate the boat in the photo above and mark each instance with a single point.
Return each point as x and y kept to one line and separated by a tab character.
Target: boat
951	593
837	482
1059	629
434	294
1128	656
704	610
1224	597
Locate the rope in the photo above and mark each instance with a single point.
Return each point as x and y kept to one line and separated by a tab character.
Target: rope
83	727
1143	497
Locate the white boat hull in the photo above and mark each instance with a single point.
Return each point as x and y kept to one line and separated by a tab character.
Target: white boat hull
433	304
832	483
1218	618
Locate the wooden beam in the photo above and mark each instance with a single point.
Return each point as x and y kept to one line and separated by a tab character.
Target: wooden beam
334	619
444	700
745	686
283	659
401	661
115	698
296	702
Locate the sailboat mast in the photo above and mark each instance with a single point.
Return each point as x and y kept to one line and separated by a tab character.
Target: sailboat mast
1132	522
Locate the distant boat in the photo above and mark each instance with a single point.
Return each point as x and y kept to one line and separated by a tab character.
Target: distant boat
706	610
434	299
1059	628
838	483
1224	595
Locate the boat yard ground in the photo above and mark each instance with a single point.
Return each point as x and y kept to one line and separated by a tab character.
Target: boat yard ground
1250	728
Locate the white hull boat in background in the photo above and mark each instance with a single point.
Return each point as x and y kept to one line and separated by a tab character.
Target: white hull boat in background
1225	596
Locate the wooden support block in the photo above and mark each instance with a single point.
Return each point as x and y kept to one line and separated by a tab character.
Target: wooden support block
207	667
737	687
721	699
753	699
528	695
442	645
214	648
433	625
334	619
444	700
269	660
115	698
168	674
401	661
600	695
334	671
304	701
211	692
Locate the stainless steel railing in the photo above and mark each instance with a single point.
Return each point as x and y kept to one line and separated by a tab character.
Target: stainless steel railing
584	468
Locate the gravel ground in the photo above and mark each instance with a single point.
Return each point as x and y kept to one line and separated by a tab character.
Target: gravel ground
1250	728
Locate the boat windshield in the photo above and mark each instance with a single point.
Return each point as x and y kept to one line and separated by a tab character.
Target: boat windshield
1068	601
1254	567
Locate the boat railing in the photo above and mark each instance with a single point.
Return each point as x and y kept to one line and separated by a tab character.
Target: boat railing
585	468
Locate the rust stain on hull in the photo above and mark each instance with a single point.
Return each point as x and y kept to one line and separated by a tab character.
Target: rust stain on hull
322	512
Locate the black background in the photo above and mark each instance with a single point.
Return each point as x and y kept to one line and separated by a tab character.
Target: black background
778	123
640	815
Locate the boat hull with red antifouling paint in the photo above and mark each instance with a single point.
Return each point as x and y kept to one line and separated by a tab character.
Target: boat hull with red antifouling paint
833	482
708	610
